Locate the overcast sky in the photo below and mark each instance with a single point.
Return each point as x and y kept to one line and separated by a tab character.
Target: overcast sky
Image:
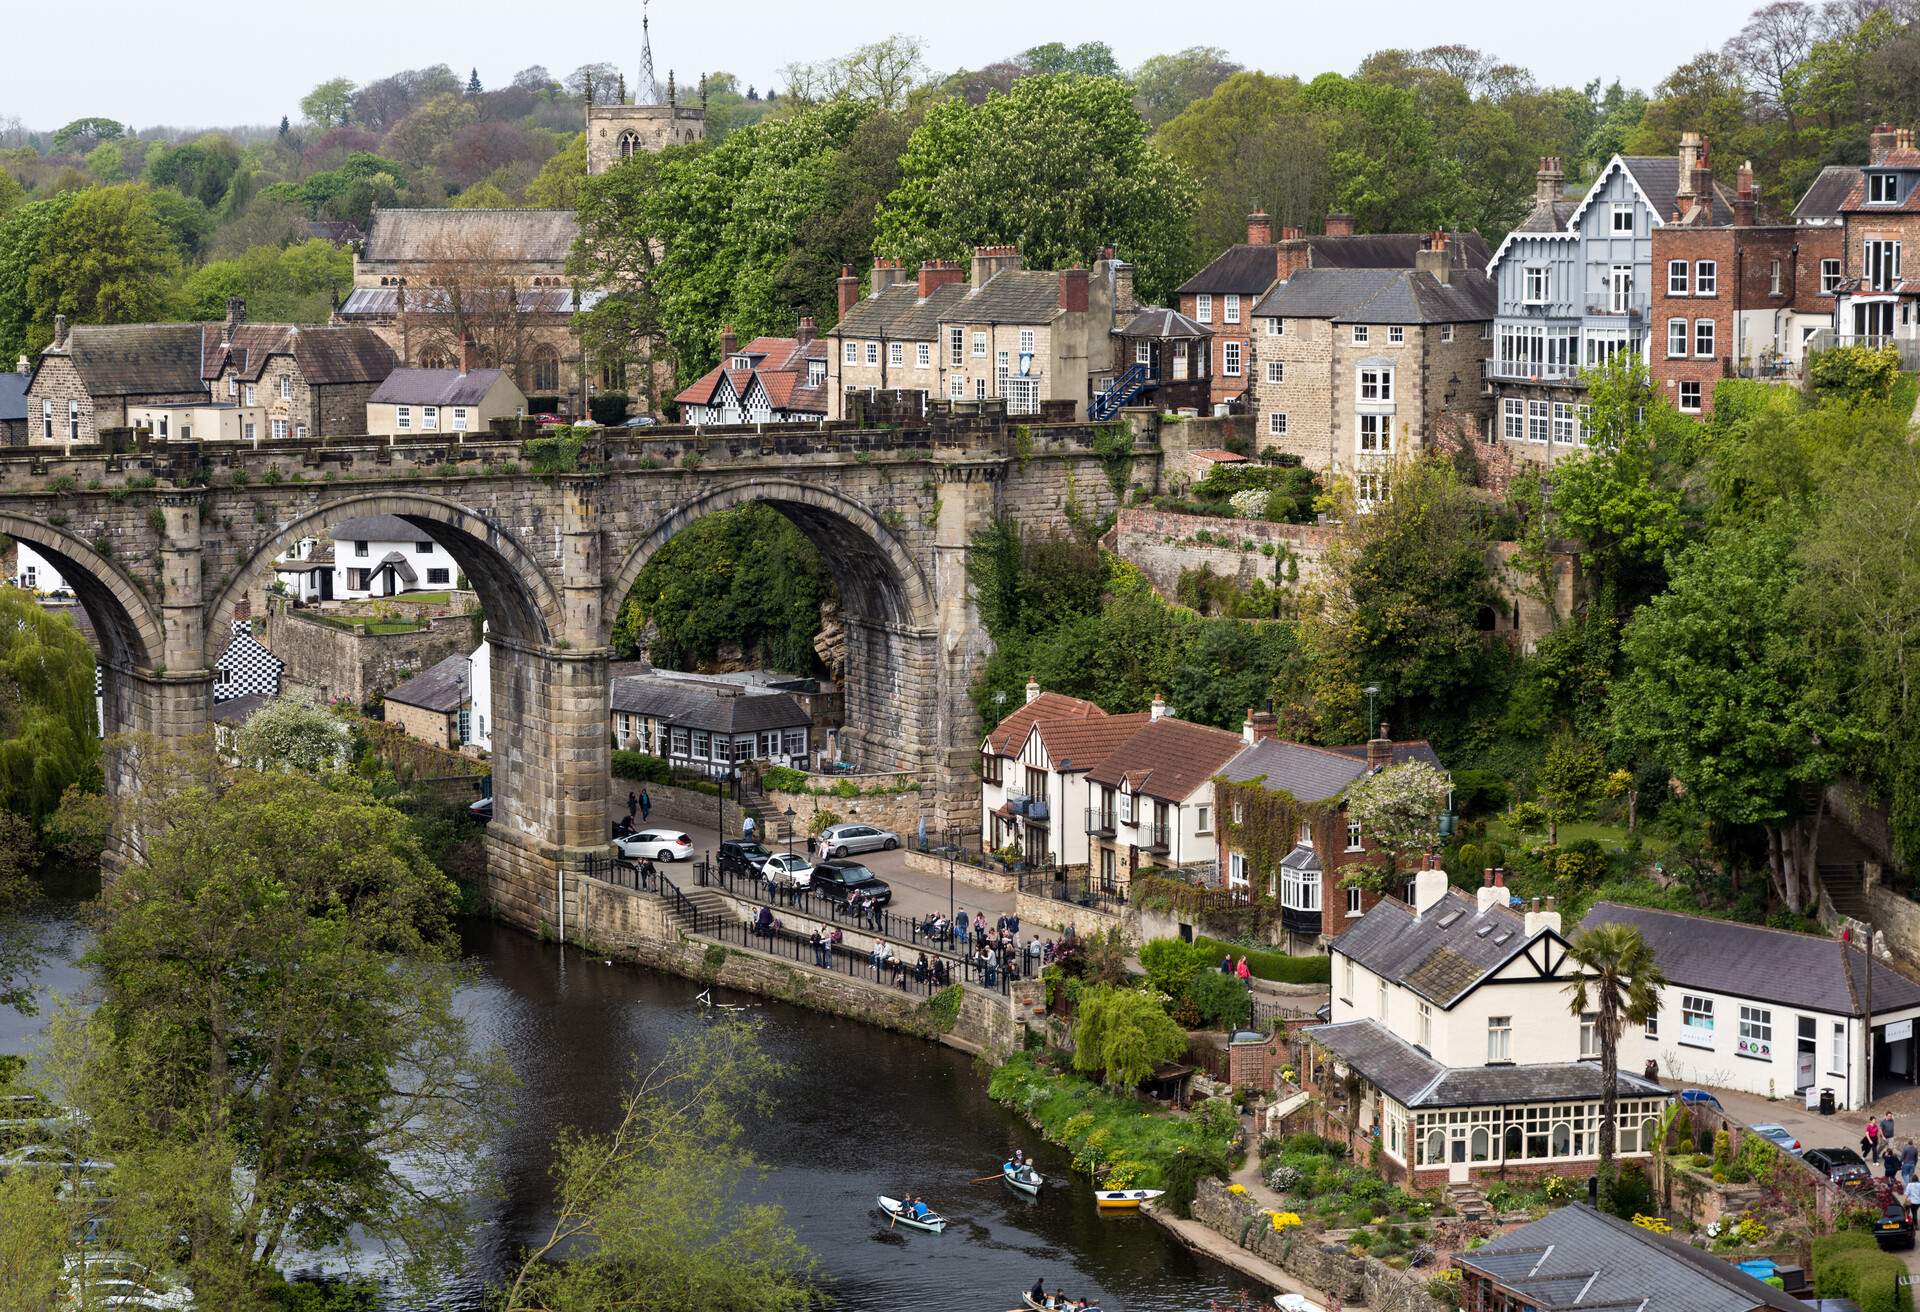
148	63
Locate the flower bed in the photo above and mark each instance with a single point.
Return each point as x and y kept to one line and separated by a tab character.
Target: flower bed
1324	1192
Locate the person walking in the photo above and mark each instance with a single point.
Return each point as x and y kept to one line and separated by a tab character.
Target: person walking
1909	1158
646	805
746	828
1889	1162
633	804
1886	1127
1911	1197
1246	975
1870	1140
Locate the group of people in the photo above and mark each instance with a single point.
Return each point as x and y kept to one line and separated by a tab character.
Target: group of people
638	804
825	944
1240	970
1057	1301
915	1206
1900	1163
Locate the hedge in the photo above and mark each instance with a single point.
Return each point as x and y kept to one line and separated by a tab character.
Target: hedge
639	767
1849	1264
1277	966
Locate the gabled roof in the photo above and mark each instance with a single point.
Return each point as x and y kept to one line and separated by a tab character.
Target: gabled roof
1390	250
135	359
1314	774
1167	759
1011	296
443	687
1768	965
1009	736
1658	177
13	395
435	387
1394	296
1576	1257
1441	954
1244	268
1076	746
716	709
377	528
380	303
779	366
899	313
1905	161
1413	1079
519	236
1828	193
1152	321
325	354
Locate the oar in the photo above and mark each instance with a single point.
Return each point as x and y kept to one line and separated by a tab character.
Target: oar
997	1175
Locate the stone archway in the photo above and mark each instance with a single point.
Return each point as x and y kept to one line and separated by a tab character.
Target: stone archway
894	713
131	634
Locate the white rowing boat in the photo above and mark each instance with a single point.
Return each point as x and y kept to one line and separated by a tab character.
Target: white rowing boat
1023	1177
903	1213
1124	1199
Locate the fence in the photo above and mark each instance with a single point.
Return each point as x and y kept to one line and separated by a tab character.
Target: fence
1078	888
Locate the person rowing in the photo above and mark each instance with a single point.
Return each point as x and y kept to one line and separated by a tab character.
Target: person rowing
920	1209
1039	1292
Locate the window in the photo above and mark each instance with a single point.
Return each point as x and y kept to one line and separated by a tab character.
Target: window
979	345
73	421
1620	289
1880	262
279	430
1703	337
1376	385
1276	327
1354	896
1486	331
873	353
990	769
793	742
923	354
440	576
1690	396
286	387
1623	219
233	387
850	353
1026	341
680	742
1230	358
1676	337
956	347
1300	889
1499	1038
1360	334
300	432
1513	418
896	354
1306	837
1564	424
1603	346
1423	1019
1375	436
1829	276
423	548
1230	308
460	418
957	388
1277	424
1446	332
1676	277
1537	413
1380	999
1236	870
979	389
1539	284
1653	1023
1837	1049
403	416
702	744
1756	1033
1883	188
741	362
1276	371
46	420
1396	334
1706	278
1202	819
1124	808
1346	994
1696	1021
253	395
1353	836
1239	813
1203	308
1371	488
359	548
1775	278
1143	352
1589	1034
430	417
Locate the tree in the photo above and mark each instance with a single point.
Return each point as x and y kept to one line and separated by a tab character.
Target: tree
651	1215
330	104
598	83
285	126
473	83
1617	977
1060	166
202	168
1568	780
291	735
557	185
26	232
33	1240
48	739
12	194
83	134
1123	1034
1251	144
882	71
1166	84
534	77
1089	59
1398	809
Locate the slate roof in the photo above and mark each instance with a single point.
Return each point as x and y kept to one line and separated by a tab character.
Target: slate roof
1659	178
1156	322
1010	735
442	687
1392	250
1167	758
1552	217
1314	774
1381	296
136	359
325	354
13	395
435	387
1439	955
715	710
1828	193
1413	1079
238	710
1856	199
1576	1257
533	236
1780	966
1011	296
780	365
377	303
1242	268
898	313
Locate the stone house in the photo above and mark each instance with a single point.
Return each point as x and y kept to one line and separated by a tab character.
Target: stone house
1222	296
434	704
711	728
771	380
1450	1028
1359	367
1150	799
996	330
1307	880
1034	794
459	400
91	374
303	380
1877	303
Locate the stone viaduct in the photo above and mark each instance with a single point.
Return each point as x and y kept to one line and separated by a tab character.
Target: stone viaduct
163	540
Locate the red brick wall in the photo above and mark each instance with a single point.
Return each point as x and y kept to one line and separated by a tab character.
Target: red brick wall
1903	228
1816	244
1744	284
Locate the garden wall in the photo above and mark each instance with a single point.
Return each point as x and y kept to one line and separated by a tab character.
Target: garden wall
992	881
1161	544
330	663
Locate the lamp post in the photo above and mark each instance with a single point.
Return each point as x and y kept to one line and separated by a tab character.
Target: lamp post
786	831
953	850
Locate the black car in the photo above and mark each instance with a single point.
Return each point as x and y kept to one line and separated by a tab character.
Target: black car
837	881
740	857
1894	1229
1842	1166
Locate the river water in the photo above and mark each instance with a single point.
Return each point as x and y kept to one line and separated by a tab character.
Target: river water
863	1112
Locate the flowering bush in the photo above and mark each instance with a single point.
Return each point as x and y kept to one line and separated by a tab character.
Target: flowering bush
1284	1220
1250	504
1236	1189
1657	1224
1749	1229
1558	1190
1282	1178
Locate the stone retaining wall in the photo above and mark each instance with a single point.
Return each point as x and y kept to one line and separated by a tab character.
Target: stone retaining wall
1049	913
1163	544
900	812
336	664
991	881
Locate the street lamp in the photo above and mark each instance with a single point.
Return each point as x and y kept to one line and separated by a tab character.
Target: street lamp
953	850
786	831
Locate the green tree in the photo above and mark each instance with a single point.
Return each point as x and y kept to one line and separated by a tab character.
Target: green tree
12	194
83	134
48	738
330	104
1569	780
557	185
1398	809
1166	84
202	168
1385	163
1060	166
288	734
1617	978
652	1215
107	260
1252	143
1123	1034
483	195
1089	59
26	232
33	1240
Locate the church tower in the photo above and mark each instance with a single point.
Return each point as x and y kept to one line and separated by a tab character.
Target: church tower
651	121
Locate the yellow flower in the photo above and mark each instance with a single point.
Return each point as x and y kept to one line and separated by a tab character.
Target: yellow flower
1284	1220
1236	1188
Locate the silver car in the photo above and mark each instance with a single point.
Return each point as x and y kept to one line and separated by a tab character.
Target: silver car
843	840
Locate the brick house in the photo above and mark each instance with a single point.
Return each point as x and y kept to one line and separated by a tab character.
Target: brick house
1221	297
1450	1028
305	380
1358	366
91	374
1315	906
1877	303
771	380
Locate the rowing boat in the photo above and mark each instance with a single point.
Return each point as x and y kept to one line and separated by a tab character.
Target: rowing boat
1023	1178
1125	1198
903	1213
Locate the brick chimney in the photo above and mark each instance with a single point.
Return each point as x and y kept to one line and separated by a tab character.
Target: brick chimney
884	275
1746	202
1339	224
1434	258
1124	301
1380	750
1259	229
1265	725
805	333
1291	233
989	260
729	343
1689	161
1547	181
938	273
1073	289
1881	142
1246	728
846	289
466	355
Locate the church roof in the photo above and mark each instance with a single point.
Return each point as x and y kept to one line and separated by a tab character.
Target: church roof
513	236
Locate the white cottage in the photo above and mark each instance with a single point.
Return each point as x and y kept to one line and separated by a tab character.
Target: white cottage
384	555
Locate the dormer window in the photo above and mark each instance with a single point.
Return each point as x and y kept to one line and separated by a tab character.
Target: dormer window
742	362
1883	188
816	372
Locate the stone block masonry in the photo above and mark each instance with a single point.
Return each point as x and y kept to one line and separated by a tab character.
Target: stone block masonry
331	663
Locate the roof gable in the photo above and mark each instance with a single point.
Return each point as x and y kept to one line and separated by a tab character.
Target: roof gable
1010	734
1449	950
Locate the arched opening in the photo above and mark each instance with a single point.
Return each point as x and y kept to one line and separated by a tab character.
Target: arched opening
629	144
545	370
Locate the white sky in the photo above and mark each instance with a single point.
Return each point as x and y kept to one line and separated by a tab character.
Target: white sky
148	62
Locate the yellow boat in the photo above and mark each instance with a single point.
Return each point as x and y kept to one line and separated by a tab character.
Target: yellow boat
1124	1199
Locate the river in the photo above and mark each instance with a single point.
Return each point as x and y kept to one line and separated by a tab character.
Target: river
864	1112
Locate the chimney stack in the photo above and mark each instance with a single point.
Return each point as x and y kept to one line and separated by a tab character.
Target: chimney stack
1259	228
1339	224
1429	886
1033	689
1265	726
1546	182
1291	233
989	260
846	289
1434	258
60	331
938	273
1689	161
466	356
1746	202
1073	289
805	334
885	274
1539	918
1881	142
1487	895
1246	728
729	343
1159	710
1379	750
236	315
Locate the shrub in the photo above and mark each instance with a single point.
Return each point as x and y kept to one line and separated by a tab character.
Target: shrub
1848	1264
641	768
608	408
783	779
1722	1149
1632	1193
1277	966
1855	372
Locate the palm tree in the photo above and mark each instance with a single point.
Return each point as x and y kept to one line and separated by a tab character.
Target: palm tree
1620	981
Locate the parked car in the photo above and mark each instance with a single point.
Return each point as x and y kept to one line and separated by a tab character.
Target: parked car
638	421
788	870
1700	1098
550	421
1779	1136
739	856
656	845
482	810
1842	1166
1894	1229
843	840
837	881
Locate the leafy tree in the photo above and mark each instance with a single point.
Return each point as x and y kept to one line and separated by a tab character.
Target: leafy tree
1569	780
1123	1034
1230	667
291	285
83	134
483	196
48	738
201	169
185	220
534	77
1089	59
330	104
599	83
1166	84
473	83
1855	372
1171	964
557	185
12	194
33	1241
1384	160
1060	166
292	735
1616	976
1399	808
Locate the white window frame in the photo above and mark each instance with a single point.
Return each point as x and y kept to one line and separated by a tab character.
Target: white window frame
1880	264
923	354
1538	283
1230	308
1396	334
1679	332
850	353
299	432
1706	278
1237	870
403	416
1615	227
429	418
1829	276
957	387
1230	358
1354	843
1277	424
1692	1033
253	394
979	344
1373	434
1703	338
1360	334
1620	289
1026	341
1276	327
286	387
1513	416
1678	281
1688	401
896	354
1755	1038
1355	897
1276	371
46	420
1565	425
279	430
1499	1039
1539	417
1423	1024
1446	332
459	419
1774	278
872	353
1203	308
1371	487
1373	384
1883	189
956	347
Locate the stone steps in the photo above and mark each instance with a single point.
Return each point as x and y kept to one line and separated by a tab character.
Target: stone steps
1469	1201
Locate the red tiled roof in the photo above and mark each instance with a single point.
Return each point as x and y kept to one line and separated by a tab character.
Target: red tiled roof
1010	735
1168	759
1856	201
780	363
1080	745
1221	457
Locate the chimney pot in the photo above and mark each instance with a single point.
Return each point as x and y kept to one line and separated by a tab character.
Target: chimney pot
1339	224
1486	877
466	355
806	331
1159	710
1291	233
1499	876
1259	228
59	330
1265	726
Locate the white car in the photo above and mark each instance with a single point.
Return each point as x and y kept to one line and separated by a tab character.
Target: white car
789	870
113	1279
655	845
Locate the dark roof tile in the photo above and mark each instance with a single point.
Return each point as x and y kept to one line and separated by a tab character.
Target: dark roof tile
435	387
717	709
443	687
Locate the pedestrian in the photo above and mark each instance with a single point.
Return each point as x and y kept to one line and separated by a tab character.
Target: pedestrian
633	804
1246	976
1870	1139
1889	1162
646	805
1886	1127
1909	1158
1226	963
960	928
811	840
746	828
1912	1198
